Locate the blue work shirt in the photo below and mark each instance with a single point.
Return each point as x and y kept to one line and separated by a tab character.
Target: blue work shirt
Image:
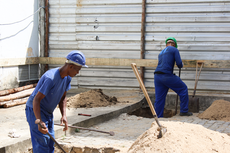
53	87
167	59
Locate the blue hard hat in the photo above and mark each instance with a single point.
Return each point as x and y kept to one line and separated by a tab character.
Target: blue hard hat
77	58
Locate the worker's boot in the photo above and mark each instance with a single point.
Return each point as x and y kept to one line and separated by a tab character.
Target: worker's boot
186	114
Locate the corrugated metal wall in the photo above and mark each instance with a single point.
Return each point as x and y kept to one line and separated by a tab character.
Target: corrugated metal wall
112	29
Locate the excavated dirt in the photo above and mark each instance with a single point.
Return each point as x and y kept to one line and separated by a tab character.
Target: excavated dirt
180	138
219	110
91	98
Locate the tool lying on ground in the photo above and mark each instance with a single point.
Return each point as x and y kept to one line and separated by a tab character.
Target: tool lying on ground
77	127
38	122
84	114
177	95
162	130
193	101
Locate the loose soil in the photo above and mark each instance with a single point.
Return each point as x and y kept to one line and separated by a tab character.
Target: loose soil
91	98
180	138
219	110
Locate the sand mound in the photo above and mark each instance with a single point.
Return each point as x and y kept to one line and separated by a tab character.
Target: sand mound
91	98
219	110
181	138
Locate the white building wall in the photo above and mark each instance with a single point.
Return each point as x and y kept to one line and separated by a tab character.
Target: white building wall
17	39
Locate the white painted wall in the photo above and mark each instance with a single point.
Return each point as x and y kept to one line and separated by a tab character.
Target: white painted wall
18	40
8	78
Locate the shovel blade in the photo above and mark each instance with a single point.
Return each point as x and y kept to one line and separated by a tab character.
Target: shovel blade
193	105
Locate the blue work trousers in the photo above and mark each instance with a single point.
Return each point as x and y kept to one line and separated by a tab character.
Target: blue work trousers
162	84
41	143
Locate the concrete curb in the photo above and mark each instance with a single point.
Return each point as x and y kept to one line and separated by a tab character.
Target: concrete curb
19	147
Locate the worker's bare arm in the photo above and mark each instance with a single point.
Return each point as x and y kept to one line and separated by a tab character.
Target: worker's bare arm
37	111
62	107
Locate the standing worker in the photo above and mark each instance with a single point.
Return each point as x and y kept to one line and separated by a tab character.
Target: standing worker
49	92
165	79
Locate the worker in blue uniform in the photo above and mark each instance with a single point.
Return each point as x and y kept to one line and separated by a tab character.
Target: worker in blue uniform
50	92
165	79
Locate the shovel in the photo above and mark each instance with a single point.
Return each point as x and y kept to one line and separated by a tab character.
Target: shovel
193	104
162	130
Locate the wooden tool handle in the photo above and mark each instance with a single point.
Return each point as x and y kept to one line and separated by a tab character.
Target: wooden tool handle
134	67
197	77
77	127
84	114
162	129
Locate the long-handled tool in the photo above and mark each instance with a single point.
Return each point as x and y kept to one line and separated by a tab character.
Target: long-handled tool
84	114
38	122
177	95
77	127
162	130
194	101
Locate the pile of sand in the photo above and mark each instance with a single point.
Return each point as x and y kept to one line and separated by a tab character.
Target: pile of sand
91	98
219	110
181	138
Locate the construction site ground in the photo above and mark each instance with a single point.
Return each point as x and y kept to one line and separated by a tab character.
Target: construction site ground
15	134
127	129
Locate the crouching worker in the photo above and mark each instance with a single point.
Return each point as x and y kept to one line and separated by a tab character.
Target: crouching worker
165	79
50	92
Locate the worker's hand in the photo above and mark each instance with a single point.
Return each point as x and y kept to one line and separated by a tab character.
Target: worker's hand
43	130
64	120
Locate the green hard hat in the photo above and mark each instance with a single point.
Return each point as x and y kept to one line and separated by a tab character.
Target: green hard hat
171	38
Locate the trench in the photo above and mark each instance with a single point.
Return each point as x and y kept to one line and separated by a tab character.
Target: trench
86	150
142	112
146	112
